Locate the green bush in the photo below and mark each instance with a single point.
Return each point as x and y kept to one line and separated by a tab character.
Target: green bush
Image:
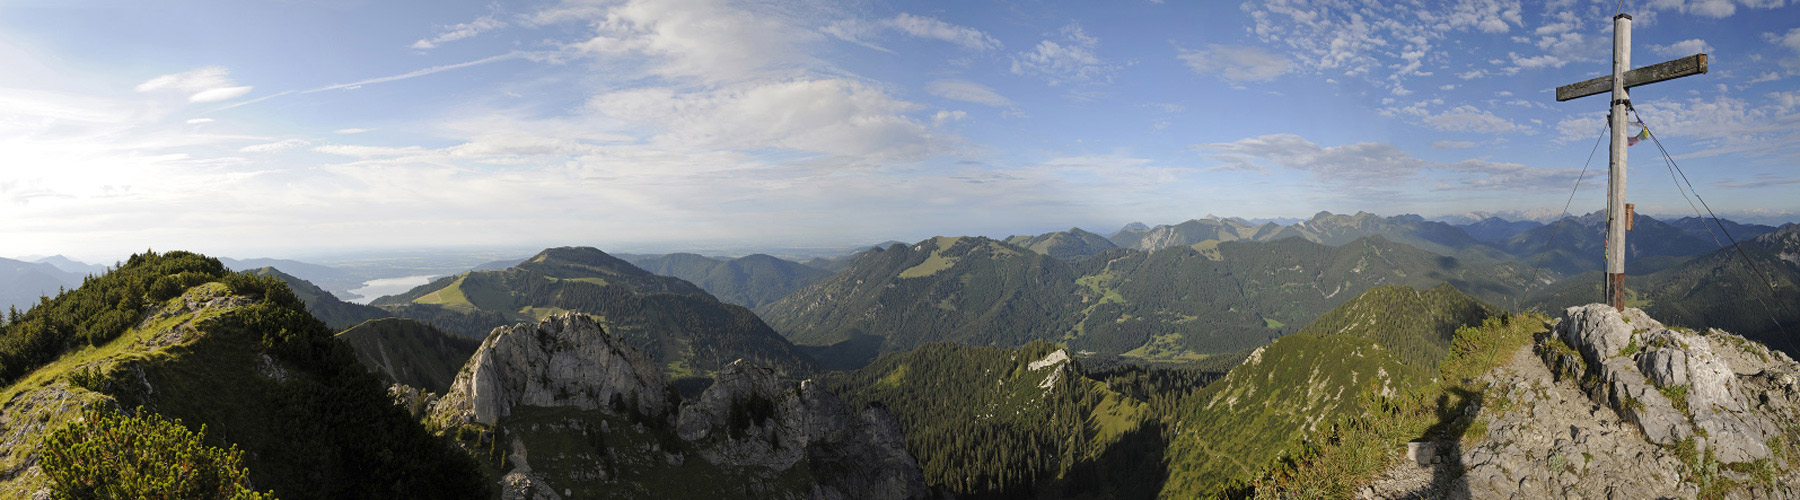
108	455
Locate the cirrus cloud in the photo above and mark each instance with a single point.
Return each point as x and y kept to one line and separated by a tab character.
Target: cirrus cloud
208	84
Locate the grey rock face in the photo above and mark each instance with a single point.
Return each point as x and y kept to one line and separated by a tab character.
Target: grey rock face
1610	419
749	421
564	360
1642	363
750	418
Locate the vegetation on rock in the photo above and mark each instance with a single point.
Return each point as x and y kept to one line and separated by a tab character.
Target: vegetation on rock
107	455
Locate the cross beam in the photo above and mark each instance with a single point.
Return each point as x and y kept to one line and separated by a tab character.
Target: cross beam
1618	216
1666	70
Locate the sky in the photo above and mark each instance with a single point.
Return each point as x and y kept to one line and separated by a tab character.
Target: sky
277	128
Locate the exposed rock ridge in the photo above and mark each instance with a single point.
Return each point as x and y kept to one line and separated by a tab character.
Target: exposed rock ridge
1730	395
1617	405
748	421
564	360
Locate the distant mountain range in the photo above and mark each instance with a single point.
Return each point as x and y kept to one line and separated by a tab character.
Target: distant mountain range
1178	303
1579	244
1494	229
22	283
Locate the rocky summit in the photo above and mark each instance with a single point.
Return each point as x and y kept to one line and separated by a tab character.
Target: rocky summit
563	361
1613	404
574	412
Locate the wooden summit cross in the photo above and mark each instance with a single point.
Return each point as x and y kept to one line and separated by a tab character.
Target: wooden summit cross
1618	213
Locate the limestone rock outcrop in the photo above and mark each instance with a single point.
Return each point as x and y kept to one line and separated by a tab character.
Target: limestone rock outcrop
566	360
585	415
1613	404
1676	384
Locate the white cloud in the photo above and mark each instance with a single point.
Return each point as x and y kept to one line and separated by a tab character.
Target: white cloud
1682	48
1535	62
1791	41
1378	41
830	116
215	95
1452	144
1071	60
712	40
967	91
1785	101
208	84
459	31
947	116
1374	167
1712	8
1468	118
926	27
1768	76
274	146
1715	126
350	130
1237	64
197	121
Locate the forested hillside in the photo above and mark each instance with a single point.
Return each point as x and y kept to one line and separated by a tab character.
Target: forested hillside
748	281
1072	244
1173	304
677	324
336	313
1320	413
1415	326
1019	423
404	351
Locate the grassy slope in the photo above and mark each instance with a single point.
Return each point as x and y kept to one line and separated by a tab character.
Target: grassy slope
1237	425
673	322
201	358
1415	326
1314	412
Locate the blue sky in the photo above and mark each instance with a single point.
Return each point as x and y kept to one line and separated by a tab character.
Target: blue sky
276	128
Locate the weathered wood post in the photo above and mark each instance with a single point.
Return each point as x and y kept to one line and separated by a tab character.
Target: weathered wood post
1622	79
